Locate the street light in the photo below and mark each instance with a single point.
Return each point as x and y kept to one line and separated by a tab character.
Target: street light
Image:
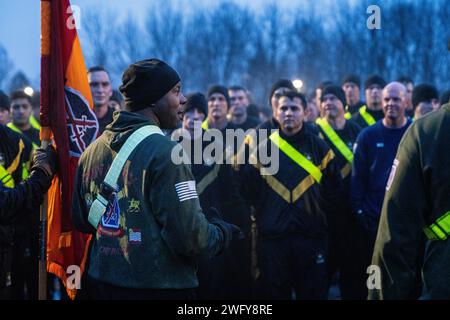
28	91
298	84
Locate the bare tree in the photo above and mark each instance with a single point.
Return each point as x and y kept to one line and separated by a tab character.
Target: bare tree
127	45
6	65
164	28
18	81
99	28
269	60
230	44
311	48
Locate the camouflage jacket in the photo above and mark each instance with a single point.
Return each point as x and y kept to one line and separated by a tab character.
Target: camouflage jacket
160	230
418	194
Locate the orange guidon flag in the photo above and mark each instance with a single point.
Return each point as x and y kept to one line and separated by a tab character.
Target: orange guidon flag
67	116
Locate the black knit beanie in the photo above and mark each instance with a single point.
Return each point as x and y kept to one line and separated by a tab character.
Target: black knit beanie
375	79
336	91
353	79
424	92
282	83
197	101
145	82
219	89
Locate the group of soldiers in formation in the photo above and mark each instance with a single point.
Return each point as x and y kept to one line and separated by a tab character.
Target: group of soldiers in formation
288	234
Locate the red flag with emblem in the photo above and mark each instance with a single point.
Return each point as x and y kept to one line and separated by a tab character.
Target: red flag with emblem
67	116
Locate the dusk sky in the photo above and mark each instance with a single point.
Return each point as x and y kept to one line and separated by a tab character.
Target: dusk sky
20	25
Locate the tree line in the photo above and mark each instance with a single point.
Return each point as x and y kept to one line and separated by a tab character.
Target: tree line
229	43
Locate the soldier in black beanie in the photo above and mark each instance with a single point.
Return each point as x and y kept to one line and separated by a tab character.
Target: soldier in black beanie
277	89
340	134
156	230
351	85
335	90
218	104
425	98
371	112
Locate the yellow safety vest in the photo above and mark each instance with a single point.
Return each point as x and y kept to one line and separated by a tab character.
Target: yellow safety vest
440	230
335	139
16	129
296	156
5	174
34	123
315	174
367	116
6	178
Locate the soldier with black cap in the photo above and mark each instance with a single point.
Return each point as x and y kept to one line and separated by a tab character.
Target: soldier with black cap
218	105
293	205
351	85
141	207
278	89
226	276
371	112
425	98
340	134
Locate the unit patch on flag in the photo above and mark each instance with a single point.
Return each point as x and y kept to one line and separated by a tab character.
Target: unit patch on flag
186	190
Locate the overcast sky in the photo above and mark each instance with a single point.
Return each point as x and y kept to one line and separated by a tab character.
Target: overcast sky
20	25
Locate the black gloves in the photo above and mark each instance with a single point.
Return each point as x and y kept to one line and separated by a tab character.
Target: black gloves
228	230
45	160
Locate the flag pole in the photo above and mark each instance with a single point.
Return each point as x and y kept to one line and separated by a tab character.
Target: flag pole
45	136
42	293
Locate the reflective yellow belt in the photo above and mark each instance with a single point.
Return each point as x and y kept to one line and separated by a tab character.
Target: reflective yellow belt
34	123
335	139
6	178
440	230
366	116
296	156
14	128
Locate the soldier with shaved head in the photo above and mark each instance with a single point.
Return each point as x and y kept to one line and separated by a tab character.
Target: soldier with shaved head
374	154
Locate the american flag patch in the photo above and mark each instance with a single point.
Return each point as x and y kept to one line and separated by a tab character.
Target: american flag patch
186	190
134	235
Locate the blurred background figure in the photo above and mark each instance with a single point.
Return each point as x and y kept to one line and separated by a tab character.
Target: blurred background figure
21	111
351	85
425	98
409	85
101	90
116	101
4	108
